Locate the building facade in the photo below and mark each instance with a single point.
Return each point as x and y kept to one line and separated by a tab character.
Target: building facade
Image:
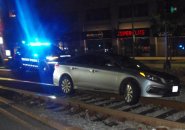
129	27
126	27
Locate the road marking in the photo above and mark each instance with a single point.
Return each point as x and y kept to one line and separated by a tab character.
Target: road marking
23	81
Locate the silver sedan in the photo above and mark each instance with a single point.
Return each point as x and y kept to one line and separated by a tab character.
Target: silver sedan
114	74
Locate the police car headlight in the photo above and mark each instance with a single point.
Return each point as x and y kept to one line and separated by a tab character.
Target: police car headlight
51	58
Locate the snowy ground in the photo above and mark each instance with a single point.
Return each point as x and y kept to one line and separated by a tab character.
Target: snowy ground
85	123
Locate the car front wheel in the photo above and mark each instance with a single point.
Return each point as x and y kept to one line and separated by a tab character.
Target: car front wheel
131	92
66	85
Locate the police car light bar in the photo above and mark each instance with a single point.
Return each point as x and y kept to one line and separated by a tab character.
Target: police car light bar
39	44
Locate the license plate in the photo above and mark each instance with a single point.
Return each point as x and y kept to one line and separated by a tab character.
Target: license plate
175	89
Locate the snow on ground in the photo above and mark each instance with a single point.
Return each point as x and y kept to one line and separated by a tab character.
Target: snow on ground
86	123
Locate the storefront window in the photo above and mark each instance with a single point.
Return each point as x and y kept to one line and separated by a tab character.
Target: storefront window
142	47
99	45
126	46
177	46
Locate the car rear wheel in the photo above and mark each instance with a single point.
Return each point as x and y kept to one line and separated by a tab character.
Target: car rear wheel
131	92
66	85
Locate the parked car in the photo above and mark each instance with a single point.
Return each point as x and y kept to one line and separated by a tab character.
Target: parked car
114	74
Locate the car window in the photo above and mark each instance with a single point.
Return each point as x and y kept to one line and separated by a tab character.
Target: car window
81	60
132	64
103	61
95	60
90	60
110	63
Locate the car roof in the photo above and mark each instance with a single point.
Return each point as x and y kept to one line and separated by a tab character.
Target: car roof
103	55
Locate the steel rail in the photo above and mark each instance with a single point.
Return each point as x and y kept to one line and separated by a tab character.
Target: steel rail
121	115
46	120
18	120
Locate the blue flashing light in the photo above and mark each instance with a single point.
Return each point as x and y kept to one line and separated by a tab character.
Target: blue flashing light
23	42
36	39
29	21
39	44
18	53
180	46
183	48
35	55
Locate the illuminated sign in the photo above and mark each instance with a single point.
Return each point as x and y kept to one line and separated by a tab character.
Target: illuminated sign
92	35
130	32
30	65
97	34
28	59
142	32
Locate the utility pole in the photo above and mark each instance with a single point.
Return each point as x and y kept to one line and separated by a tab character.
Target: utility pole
133	30
167	63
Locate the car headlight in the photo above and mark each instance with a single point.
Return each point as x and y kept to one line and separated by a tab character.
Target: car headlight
51	58
150	77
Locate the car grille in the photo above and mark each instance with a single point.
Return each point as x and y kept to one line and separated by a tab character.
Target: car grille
172	81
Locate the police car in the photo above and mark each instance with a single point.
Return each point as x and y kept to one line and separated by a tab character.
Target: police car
38	56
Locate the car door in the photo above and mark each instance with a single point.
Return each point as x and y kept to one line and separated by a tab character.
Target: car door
79	71
103	76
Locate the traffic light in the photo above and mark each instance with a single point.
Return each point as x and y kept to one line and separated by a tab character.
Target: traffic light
167	6
173	9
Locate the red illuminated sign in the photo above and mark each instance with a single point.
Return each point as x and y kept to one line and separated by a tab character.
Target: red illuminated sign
130	32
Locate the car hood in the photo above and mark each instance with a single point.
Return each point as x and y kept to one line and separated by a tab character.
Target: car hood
166	76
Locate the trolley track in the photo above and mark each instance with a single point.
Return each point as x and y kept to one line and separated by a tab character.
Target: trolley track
99	107
22	119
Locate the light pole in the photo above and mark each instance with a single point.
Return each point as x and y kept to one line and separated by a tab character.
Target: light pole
133	30
167	64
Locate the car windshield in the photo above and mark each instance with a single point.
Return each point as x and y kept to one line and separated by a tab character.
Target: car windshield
127	62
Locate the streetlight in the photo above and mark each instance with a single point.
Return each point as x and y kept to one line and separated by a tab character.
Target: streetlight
169	10
133	31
